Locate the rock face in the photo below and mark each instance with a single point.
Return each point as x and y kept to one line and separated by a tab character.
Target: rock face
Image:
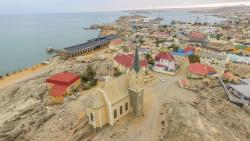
212	117
25	114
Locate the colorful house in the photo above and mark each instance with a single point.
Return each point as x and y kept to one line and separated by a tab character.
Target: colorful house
165	63
61	85
197	70
185	52
124	62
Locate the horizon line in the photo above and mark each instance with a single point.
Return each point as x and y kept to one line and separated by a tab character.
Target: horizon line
195	6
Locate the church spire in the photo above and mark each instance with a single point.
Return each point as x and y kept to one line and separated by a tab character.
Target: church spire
136	64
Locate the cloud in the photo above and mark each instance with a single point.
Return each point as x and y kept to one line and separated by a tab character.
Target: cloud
64	6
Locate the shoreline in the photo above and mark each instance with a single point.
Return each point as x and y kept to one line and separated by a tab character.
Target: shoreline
32	71
21	75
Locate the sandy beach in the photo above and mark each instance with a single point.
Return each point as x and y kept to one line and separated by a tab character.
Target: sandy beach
22	75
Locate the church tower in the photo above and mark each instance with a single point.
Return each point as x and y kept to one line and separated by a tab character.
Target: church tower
136	86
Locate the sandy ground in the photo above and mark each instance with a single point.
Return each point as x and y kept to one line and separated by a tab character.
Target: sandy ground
147	127
35	71
170	113
24	74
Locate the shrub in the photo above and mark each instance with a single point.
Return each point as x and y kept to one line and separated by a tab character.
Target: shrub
116	73
93	82
194	59
89	74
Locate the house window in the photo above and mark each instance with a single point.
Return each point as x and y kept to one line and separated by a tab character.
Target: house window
126	106
121	110
91	117
115	113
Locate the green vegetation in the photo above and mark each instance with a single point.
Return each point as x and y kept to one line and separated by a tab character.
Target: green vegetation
194	59
218	36
116	72
150	59
88	78
164	49
229	38
1	77
174	47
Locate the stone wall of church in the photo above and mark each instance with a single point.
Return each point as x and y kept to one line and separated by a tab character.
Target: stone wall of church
100	117
136	99
121	108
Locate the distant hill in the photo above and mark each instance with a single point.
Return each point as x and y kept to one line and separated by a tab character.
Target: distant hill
229	9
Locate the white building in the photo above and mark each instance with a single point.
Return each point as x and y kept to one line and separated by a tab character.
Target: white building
165	63
217	59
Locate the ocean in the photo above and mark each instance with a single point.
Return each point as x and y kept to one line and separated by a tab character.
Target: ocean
25	38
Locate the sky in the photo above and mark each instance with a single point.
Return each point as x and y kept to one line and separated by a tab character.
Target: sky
69	6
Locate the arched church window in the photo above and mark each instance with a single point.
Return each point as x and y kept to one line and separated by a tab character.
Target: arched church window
91	117
115	113
121	110
126	106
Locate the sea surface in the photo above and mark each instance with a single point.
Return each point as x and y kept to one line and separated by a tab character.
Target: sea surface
25	38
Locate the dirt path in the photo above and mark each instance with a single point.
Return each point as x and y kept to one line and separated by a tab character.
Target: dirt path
148	127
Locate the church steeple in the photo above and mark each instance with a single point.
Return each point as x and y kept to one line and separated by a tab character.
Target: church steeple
136	63
136	86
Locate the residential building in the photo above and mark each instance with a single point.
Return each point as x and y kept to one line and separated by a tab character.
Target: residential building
197	70
124	62
165	63
239	59
185	52
61	85
215	58
198	38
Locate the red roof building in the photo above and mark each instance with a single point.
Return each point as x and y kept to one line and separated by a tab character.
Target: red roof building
61	82
116	42
200	69
189	49
64	78
197	36
126	60
58	90
164	56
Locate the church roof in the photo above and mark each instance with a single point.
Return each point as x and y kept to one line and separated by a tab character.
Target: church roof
115	89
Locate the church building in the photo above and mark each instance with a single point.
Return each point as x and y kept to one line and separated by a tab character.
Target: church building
118	97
